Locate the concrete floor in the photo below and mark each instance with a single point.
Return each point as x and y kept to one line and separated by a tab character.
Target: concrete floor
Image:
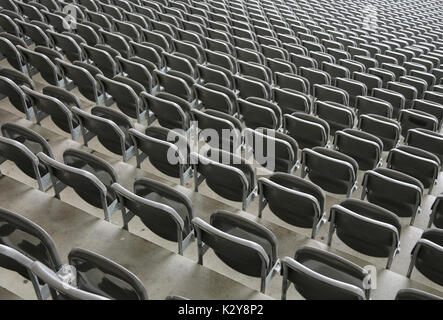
73	223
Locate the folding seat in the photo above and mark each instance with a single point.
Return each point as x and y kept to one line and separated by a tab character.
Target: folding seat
88	33
252	87
57	20
335	44
414	294
290	101
137	72
368	62
296	49
424	62
88	175
111	128
249	55
284	157
244	245
397	100
16	96
393	190
430	79
372	105
365	148
321	57
366	228
118	42
102	60
157	143
164	210
67	45
28	239
84	80
282	192
255	70
47	106
420	86
216	75
300	60
308	130
211	98
338	54
281	66
411	119
315	76
408	91
223	60
8	25
256	112
331	170
35	33
171	111
426	140
244	43
194	27
128	30
335	70
48	70
321	275
331	94
220	46
160	39
383	58
352	66
292	82
100	18
124	95
337	116
427	256
17	77
219	123
227	174
357	51
409	66
149	52
92	270
418	163
30	12
190	50
273	52
180	63
430	107
21	145
385	75
176	83
371	81
436	97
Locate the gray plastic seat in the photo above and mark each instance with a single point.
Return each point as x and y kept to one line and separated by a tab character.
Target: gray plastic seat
30	240
47	106
427	140
256	112
125	96
331	170
363	147
21	145
165	211
331	93
101	276
244	245
367	228
394	191
337	116
91	185
417	163
283	192
308	130
171	111
111	128
291	101
210	98
412	119
234	181
158	144
321	275
427	256
273	150
372	105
